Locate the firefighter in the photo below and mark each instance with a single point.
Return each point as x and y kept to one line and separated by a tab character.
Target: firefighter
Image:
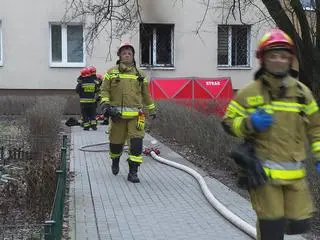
87	88
124	93
99	82
275	114
101	117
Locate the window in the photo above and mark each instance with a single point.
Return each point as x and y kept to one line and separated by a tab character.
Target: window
67	45
233	46
1	49
156	45
308	4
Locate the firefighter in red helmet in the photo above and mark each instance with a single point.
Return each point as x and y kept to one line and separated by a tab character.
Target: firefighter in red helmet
275	114
87	88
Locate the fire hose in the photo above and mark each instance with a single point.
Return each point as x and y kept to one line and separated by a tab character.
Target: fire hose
220	208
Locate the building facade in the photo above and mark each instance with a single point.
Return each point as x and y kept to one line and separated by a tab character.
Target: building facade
38	51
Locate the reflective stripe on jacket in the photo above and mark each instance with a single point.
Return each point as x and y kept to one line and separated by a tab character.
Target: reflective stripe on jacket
87	88
126	91
284	170
296	116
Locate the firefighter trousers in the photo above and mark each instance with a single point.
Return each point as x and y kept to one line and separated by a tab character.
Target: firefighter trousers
282	206
88	112
126	130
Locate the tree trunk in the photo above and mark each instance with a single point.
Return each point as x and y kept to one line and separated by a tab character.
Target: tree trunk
306	54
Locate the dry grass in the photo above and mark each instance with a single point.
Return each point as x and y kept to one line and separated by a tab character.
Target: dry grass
29	198
43	123
17	105
202	133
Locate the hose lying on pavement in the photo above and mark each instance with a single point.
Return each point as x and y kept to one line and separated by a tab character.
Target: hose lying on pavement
225	212
85	148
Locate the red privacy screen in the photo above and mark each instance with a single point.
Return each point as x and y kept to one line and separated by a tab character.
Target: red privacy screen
208	95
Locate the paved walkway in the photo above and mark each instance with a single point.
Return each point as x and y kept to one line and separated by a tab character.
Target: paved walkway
167	205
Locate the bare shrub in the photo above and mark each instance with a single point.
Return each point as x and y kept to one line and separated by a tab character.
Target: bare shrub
44	118
43	122
29	156
203	133
72	106
16	105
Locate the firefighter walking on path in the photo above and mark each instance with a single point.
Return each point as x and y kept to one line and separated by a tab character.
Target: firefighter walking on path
87	87
124	93
276	114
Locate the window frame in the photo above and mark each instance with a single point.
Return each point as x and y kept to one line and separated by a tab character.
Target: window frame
64	36
249	49
1	44
154	48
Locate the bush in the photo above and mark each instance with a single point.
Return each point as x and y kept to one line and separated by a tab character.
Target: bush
36	148
16	105
72	106
43	124
203	133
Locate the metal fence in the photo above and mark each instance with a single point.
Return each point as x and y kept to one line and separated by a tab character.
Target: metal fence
54	226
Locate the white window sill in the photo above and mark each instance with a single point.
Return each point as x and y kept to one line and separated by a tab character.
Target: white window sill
234	67
67	65
157	68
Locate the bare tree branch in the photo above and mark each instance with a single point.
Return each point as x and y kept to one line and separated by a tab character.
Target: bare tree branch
204	17
116	18
303	21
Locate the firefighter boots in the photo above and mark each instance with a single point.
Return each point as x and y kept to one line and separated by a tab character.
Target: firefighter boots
115	166
133	170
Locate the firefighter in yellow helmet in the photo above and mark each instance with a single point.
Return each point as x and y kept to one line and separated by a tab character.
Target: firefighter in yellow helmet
275	114
124	93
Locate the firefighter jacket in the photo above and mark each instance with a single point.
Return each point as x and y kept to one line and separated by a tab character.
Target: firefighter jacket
127	89
87	88
281	148
99	83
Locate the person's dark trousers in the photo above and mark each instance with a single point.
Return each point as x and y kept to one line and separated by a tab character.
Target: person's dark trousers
88	111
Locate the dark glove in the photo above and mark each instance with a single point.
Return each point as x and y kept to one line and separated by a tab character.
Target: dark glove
98	99
106	108
256	175
153	115
114	114
244	156
261	120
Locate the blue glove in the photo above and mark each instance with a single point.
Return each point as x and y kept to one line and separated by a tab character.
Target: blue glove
261	120
318	167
